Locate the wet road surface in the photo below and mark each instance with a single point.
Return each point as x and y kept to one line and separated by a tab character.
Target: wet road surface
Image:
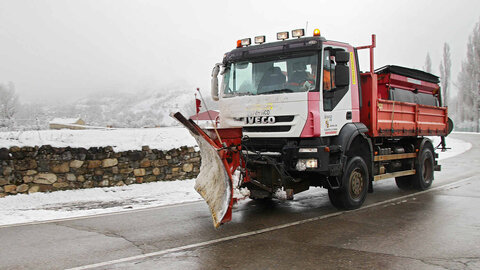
437	229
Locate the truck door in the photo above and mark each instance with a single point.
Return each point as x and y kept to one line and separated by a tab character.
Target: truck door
337	103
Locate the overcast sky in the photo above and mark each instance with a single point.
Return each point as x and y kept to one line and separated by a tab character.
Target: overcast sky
60	49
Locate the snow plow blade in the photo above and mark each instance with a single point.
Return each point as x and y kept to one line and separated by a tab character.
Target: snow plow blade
219	159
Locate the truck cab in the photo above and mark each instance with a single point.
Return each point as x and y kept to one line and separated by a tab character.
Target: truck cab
291	98
298	88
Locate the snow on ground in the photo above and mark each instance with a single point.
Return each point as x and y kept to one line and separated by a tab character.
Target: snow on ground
457	147
165	138
76	203
85	202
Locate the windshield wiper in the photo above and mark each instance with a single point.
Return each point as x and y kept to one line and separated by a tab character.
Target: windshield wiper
285	90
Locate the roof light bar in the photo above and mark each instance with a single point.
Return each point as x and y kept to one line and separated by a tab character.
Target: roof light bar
298	33
259	39
246	41
282	35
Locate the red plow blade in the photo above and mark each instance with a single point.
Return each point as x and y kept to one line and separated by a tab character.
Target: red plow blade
220	158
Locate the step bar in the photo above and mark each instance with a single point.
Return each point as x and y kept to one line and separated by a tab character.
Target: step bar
392	175
394	156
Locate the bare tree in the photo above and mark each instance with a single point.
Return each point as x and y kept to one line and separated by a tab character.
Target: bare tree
469	82
445	68
8	103
428	64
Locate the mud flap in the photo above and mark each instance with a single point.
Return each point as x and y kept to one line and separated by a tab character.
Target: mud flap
214	182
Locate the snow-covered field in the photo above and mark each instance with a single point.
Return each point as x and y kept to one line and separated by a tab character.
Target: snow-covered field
121	139
77	203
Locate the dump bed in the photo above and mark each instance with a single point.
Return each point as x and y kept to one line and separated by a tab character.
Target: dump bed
398	101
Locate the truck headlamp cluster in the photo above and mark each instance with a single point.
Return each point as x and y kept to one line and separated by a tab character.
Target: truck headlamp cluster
308	150
298	33
246	41
259	39
303	164
282	35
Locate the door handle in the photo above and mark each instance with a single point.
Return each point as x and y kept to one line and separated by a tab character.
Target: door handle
349	115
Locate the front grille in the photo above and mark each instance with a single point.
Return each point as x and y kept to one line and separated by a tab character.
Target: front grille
264	144
267	129
284	118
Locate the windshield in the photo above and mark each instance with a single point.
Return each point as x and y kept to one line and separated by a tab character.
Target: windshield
287	75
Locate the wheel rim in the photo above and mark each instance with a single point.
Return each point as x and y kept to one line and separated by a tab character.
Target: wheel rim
427	170
356	183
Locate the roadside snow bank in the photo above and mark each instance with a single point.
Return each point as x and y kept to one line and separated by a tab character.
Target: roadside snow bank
76	203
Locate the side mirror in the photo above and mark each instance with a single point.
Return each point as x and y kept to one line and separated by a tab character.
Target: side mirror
214	81
342	57
342	76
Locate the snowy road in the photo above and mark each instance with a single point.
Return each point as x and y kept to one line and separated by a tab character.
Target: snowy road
414	231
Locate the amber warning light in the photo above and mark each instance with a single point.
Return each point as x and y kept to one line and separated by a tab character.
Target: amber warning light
316	32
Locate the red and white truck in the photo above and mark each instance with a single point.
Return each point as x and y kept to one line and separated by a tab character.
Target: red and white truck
298	112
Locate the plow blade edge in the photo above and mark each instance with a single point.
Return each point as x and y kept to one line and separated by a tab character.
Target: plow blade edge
214	182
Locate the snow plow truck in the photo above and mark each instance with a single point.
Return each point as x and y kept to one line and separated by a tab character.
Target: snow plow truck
298	112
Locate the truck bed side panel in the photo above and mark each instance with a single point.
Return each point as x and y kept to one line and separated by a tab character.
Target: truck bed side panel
396	119
389	118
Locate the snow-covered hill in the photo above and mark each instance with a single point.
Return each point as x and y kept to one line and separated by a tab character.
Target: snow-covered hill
121	110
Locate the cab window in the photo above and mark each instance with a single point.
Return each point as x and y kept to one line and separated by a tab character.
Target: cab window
332	94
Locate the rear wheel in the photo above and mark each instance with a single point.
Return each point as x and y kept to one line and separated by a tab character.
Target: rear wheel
354	188
423	177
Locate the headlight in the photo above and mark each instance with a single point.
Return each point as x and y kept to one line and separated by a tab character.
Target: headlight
307	150
303	164
246	41
282	35
259	39
298	33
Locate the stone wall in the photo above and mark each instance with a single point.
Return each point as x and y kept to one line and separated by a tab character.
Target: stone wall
46	168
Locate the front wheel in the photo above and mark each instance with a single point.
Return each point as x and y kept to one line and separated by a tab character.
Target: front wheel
354	188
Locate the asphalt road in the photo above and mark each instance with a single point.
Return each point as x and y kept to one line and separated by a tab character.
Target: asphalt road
437	229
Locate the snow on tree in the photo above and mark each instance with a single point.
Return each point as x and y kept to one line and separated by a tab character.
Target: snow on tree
8	104
469	84
428	64
445	71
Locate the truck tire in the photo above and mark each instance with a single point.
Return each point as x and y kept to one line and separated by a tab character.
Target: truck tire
333	195
354	188
424	166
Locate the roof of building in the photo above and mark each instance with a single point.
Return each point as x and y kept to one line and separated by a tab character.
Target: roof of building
64	121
